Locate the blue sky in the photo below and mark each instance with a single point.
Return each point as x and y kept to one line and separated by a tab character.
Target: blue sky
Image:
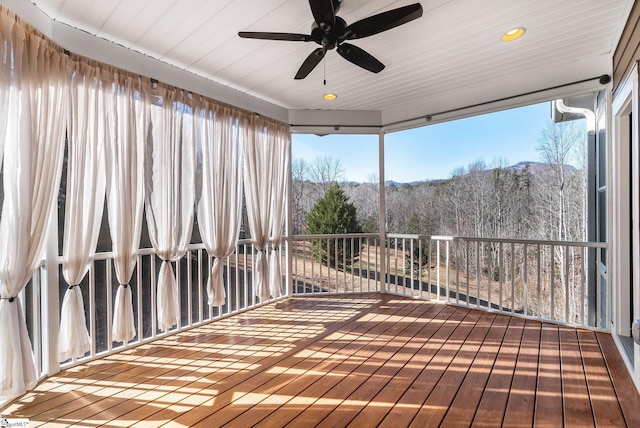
434	151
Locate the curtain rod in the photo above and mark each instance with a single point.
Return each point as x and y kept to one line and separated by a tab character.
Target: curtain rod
604	79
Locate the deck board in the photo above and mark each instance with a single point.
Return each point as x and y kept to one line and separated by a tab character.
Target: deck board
575	395
548	409
522	394
361	360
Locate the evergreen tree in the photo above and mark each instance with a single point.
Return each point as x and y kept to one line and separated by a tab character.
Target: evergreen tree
420	253
333	214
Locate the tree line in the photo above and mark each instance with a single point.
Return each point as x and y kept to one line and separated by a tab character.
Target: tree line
544	200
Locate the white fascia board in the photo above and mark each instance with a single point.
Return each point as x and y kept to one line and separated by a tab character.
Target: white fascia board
335	121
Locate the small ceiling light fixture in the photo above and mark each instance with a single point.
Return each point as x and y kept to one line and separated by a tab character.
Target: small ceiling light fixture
513	34
329	96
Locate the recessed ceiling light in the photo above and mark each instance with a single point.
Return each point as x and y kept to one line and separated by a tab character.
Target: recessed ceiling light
329	96
513	34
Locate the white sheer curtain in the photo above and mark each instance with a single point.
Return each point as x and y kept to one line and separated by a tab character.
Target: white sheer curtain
265	162
280	141
33	140
127	122
218	189
84	201
170	192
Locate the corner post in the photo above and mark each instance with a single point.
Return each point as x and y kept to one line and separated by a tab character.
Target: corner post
381	214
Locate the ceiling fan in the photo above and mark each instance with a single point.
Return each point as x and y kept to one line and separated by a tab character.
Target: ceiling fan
331	32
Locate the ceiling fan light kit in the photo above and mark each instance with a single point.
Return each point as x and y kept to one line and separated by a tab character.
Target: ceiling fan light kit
331	32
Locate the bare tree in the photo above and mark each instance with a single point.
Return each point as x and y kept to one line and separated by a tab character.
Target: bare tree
557	144
299	178
326	170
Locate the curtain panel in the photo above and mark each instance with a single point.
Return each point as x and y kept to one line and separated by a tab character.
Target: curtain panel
218	189
84	200
170	191
266	166
280	142
127	124
34	86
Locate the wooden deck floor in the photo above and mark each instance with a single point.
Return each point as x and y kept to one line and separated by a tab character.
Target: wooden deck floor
359	361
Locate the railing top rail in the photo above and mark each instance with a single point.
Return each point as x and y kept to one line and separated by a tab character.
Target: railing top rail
104	255
499	240
333	236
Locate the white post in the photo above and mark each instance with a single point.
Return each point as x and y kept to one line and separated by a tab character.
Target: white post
381	214
289	239
50	303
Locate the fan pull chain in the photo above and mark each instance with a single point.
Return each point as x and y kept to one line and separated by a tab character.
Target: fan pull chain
324	70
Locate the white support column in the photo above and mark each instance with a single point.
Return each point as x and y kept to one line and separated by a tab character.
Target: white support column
381	214
288	235
50	303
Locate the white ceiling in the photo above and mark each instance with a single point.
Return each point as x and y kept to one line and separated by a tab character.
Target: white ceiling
449	58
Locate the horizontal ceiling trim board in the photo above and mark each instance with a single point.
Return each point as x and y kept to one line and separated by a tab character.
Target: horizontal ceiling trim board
332	118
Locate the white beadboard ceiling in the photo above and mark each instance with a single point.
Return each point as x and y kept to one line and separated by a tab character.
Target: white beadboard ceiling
449	58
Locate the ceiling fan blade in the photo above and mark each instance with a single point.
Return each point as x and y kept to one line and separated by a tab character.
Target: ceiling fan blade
360	57
382	22
275	36
323	13
310	63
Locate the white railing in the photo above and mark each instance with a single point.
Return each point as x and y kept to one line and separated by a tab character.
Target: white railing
547	280
192	273
99	289
326	264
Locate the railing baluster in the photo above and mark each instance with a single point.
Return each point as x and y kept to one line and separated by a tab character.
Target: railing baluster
539	279
154	275
438	270
109	303
501	276
420	258
467	272
457	261
513	278
525	284
36	318
139	296
583	271
566	284
189	288
553	282
179	286
344	263
200	299
478	273
489	274
376	266
446	272
360	262
92	307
